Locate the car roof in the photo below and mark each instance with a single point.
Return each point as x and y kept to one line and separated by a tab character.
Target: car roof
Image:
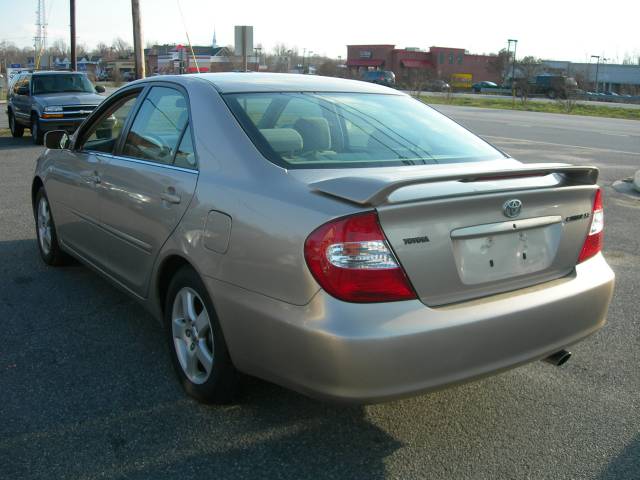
244	82
56	72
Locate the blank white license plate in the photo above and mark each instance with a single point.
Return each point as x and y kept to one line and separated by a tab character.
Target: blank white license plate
504	255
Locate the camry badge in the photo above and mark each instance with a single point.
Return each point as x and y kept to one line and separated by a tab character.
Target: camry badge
511	208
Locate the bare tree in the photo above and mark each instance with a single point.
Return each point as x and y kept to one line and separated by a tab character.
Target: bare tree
328	68
500	64
59	48
121	48
102	50
81	50
526	71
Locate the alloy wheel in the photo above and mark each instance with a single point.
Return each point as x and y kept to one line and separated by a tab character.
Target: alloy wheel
192	335
44	226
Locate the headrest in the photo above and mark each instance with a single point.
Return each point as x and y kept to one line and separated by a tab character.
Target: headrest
315	133
283	140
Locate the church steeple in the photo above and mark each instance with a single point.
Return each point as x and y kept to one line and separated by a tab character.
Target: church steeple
215	42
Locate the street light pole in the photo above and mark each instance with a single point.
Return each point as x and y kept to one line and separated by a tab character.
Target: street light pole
513	64
506	70
597	65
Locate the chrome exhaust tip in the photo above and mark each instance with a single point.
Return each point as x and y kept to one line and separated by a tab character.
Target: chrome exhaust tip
559	358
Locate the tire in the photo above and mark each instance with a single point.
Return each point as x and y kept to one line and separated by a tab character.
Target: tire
198	349
46	234
551	94
17	131
36	132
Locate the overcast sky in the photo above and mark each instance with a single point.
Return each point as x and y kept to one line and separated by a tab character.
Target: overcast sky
559	29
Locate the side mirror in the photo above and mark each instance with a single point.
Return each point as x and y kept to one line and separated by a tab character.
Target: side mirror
23	90
100	89
56	140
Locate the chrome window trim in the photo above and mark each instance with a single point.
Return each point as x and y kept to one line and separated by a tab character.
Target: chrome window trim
143	162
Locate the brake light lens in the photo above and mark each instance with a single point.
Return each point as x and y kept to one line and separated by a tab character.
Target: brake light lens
352	261
593	242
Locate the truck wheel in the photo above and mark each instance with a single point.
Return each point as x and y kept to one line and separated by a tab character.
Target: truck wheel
551	94
36	133
16	130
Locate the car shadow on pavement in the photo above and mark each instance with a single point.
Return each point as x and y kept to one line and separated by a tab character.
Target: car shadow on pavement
625	465
87	389
23	142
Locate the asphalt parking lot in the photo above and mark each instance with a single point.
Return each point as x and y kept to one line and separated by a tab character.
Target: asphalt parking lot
87	390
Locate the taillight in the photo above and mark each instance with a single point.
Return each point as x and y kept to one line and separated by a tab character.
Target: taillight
351	260
593	242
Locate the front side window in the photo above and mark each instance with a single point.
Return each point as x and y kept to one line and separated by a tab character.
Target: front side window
103	135
158	127
17	83
61	83
338	130
23	81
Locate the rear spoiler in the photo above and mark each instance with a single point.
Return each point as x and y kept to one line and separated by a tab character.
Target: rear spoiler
374	189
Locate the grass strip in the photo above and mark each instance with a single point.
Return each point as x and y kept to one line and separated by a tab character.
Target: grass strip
560	106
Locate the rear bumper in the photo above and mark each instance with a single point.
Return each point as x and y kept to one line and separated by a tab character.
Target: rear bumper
376	352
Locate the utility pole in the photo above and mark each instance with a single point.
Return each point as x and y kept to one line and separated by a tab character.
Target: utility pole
73	65
138	52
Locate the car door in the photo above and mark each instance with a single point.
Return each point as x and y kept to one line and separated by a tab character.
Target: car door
75	180
148	185
22	102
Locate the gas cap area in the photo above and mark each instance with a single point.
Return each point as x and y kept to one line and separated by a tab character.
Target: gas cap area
217	231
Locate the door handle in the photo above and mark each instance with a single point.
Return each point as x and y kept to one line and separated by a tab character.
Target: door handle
170	196
95	178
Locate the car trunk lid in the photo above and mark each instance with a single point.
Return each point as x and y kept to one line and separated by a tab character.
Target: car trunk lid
458	234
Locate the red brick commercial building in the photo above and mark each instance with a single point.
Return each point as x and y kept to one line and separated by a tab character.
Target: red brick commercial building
437	62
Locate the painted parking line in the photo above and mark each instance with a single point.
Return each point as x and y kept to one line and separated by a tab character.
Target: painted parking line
595	149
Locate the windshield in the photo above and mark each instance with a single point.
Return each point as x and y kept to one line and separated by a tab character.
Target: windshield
59	83
335	130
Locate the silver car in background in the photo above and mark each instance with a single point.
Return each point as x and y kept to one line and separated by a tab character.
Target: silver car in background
333	236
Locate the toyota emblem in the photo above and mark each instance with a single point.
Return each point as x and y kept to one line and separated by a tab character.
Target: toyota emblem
511	208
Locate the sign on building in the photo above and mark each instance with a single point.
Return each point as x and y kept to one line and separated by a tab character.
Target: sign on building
461	80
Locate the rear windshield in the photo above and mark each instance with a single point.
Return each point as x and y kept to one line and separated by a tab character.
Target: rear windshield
60	83
346	130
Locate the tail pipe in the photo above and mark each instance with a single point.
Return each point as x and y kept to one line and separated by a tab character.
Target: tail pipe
559	358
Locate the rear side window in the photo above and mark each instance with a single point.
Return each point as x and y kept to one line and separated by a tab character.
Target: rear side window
185	156
158	127
346	130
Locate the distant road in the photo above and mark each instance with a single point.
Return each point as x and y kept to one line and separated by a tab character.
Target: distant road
550	129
